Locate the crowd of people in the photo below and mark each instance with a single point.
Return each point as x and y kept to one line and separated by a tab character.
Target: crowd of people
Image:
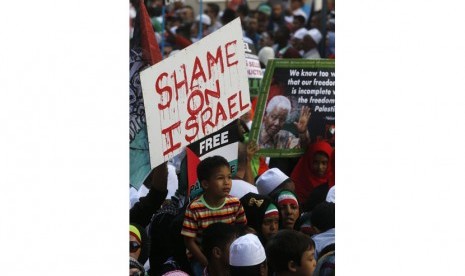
275	216
278	28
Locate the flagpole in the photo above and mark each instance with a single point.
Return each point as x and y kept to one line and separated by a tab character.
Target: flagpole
199	36
163	8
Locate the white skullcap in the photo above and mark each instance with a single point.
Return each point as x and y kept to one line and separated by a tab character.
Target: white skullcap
173	181
246	251
266	53
300	33
240	188
270	180
300	12
315	35
331	196
205	19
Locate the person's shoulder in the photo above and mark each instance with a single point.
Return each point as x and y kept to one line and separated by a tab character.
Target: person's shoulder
230	199
232	202
196	203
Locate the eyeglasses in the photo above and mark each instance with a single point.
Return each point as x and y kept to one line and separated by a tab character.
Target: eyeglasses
133	246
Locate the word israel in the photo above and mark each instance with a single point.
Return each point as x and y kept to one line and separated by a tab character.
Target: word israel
199	101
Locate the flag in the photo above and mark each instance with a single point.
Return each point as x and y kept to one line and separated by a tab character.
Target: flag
192	162
144	52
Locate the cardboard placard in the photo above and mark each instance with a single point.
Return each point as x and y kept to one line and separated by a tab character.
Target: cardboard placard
195	92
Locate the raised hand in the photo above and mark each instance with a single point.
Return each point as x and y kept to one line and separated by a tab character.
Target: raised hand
302	123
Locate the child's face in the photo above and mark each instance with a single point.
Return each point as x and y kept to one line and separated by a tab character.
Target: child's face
289	215
320	164
219	183
307	263
270	226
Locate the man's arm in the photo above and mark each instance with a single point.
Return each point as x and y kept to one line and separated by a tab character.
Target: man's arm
142	211
252	148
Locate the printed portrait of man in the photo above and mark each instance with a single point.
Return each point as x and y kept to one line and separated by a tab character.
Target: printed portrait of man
273	136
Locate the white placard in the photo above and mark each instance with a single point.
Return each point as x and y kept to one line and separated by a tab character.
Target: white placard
195	92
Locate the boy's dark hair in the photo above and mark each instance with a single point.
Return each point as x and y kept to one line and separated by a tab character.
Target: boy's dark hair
246	270
323	216
217	235
287	245
208	165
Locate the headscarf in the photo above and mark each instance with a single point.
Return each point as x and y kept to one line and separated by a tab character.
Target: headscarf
256	207
305	180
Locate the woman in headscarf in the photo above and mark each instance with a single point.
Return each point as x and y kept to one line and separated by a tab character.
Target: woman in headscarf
313	175
262	215
289	210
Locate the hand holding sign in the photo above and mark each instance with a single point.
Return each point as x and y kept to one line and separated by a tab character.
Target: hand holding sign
252	148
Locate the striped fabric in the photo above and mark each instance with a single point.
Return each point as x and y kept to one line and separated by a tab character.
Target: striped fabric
286	197
199	215
271	210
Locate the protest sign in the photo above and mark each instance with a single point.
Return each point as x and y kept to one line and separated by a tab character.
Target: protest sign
195	92
298	85
254	70
224	142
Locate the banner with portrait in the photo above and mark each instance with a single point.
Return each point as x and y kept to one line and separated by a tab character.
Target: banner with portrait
296	105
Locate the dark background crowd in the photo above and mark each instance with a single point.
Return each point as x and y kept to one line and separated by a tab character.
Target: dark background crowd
275	216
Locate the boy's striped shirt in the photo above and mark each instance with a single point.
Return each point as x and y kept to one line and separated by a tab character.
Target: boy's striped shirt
199	215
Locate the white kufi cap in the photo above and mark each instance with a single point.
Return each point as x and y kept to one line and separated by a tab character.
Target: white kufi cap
205	19
270	180
315	34
246	251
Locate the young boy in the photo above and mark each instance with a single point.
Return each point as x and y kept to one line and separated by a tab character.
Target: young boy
291	252
214	205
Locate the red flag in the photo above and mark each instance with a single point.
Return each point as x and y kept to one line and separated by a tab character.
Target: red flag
143	52
150	50
192	163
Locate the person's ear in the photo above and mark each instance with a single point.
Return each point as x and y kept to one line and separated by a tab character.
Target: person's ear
291	266
216	252
204	184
